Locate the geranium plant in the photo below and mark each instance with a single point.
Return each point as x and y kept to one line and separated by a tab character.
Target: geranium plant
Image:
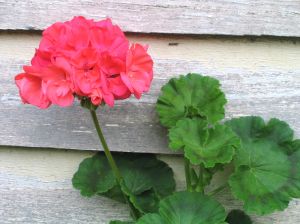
95	63
265	156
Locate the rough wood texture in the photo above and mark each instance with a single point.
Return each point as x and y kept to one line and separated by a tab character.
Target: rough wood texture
35	187
221	17
258	80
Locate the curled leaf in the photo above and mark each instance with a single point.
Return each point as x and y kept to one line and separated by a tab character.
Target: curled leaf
267	170
203	144
190	96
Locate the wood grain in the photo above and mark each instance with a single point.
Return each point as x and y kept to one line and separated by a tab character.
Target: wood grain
256	82
133	125
221	17
35	187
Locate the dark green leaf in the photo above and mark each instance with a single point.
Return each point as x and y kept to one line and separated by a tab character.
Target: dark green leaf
146	180
202	144
136	179
114	193
267	170
187	208
121	222
253	128
238	217
94	176
190	96
146	201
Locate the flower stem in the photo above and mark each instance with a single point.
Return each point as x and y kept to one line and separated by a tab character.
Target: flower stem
218	190
134	212
200	184
187	174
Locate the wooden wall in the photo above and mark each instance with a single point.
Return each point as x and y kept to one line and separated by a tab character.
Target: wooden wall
253	47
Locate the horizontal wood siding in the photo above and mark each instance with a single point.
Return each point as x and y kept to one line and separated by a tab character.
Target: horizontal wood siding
35	187
259	78
221	17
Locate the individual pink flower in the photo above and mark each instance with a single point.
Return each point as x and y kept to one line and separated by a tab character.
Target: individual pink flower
139	73
109	38
58	86
30	89
54	38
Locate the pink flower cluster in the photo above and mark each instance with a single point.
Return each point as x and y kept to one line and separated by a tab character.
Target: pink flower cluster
85	58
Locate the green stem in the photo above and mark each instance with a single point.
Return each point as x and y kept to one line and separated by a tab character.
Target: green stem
218	190
112	163
187	174
200	184
194	177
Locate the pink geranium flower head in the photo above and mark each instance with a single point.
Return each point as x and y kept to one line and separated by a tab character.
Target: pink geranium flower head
86	59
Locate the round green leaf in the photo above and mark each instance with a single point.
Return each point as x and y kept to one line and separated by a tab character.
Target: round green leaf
94	176
202	144
190	96
191	208
267	170
238	217
187	208
253	128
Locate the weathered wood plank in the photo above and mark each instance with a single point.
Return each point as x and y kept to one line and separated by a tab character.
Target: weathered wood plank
35	187
221	17
132	125
271	89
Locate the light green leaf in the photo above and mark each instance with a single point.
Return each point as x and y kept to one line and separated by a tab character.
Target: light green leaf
267	170
187	208
203	144
190	96
94	176
238	217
